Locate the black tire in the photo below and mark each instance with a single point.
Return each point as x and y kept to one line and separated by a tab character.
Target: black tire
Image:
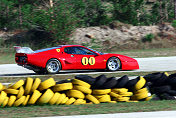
171	81
155	97
172	76
64	81
113	64
86	78
99	81
53	66
131	83
110	83
152	77
161	81
166	96
172	92
161	89
121	82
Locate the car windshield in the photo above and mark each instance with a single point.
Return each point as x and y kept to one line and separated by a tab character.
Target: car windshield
96	51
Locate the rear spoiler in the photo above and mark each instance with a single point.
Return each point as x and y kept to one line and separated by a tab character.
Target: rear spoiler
20	49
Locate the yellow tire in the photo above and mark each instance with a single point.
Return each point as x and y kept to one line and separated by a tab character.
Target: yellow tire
46	97
28	85
26	100
4	87
92	99
54	99
11	91
81	83
47	84
35	96
17	84
101	91
64	100
82	89
166	73
84	102
127	94
114	95
141	91
5	101
120	90
11	100
75	94
99	96
2	97
21	92
61	98
112	101
140	96
105	98
148	98
140	83
78	102
70	101
35	85
132	101
90	103
123	99
19	101
62	87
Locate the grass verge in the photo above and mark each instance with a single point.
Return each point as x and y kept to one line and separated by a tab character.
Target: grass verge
155	52
103	108
7	58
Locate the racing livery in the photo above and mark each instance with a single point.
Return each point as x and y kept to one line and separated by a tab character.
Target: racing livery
71	57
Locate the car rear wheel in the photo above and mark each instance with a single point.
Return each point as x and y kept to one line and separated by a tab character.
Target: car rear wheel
53	66
113	64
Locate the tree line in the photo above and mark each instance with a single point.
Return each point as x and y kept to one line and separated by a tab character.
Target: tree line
61	17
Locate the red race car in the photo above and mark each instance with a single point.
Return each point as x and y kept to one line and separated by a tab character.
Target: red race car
71	57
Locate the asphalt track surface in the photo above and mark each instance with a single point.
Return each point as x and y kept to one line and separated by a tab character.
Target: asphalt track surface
145	64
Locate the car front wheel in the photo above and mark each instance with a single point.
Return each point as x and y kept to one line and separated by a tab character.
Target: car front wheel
113	64
53	66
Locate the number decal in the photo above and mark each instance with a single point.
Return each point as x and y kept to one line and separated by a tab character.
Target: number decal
58	50
86	61
91	61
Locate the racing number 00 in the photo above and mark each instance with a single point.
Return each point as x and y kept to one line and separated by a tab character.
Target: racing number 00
86	61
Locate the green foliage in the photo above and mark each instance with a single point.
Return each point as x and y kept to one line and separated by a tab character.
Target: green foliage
66	15
90	12
174	23
148	38
127	11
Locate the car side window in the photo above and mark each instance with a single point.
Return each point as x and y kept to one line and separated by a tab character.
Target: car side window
83	51
78	50
69	50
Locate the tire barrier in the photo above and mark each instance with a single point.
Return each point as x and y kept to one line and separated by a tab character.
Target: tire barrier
85	89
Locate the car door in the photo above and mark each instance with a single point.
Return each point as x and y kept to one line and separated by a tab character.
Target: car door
87	59
69	58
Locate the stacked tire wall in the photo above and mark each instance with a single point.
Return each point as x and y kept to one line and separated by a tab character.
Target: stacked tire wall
85	89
